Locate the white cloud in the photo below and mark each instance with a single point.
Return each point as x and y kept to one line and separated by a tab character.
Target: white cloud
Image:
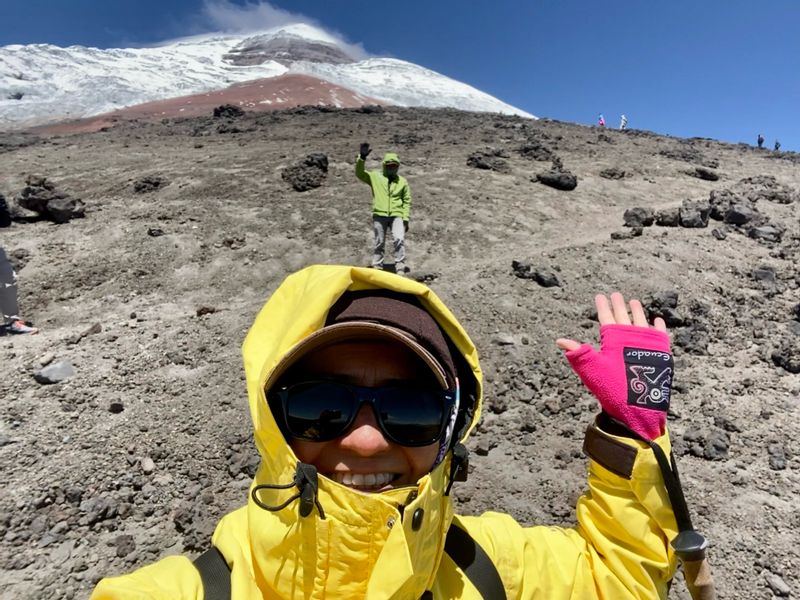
226	17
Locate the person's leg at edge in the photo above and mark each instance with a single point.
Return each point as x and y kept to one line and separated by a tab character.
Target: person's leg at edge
9	306
379	225
10	322
399	237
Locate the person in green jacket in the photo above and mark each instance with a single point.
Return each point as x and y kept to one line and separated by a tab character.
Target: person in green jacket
391	206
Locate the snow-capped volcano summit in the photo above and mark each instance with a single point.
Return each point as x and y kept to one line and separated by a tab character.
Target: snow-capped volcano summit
285	47
41	83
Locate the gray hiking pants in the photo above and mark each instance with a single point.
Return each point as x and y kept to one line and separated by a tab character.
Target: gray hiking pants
379	227
8	289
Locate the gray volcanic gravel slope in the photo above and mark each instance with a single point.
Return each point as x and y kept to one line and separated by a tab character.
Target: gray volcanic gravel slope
139	453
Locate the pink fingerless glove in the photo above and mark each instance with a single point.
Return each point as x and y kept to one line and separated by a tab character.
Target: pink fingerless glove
631	376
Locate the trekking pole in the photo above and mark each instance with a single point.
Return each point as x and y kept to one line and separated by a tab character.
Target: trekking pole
689	545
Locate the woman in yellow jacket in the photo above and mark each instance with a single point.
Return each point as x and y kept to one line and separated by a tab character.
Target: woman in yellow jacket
362	386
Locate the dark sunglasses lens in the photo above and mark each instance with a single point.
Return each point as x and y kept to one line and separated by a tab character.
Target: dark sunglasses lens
411	417
318	411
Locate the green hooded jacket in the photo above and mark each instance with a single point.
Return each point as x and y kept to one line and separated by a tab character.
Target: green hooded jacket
390	197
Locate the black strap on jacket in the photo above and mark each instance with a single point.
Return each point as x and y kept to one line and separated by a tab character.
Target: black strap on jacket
475	563
459	546
215	574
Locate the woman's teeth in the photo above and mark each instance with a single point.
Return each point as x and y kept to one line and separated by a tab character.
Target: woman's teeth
363	480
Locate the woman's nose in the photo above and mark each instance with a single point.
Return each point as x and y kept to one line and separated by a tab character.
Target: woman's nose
364	437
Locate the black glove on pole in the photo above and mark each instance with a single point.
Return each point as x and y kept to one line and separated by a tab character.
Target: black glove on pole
364	150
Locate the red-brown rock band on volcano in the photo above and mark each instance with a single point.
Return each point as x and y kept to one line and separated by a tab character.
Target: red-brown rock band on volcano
258	95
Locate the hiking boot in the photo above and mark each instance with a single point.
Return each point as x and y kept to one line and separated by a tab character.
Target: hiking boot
19	327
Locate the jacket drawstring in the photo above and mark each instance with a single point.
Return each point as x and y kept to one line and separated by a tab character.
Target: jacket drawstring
459	466
305	478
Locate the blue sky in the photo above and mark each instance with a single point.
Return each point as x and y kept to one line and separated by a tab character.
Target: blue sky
724	69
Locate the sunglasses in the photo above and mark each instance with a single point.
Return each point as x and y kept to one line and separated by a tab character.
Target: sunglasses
320	411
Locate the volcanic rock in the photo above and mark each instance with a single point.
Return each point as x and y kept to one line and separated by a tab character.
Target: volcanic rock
228	111
307	174
638	217
560	180
41	196
694	213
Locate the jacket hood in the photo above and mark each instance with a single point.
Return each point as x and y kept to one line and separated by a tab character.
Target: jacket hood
357	541
390	157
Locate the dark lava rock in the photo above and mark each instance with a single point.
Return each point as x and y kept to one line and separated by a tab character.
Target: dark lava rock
694	213
765	275
684	153
796	311
307	174
370	109
228	111
766	233
720	201
627	234
787	356
668	217
766	187
739	214
115	408
726	424
543	277
149	183
155	231
716	446
638	217
62	210
424	277
480	160
560	180
318	160
40	196
718	234
664	304
125	545
96	509
535	151
692	339
704	174
613	173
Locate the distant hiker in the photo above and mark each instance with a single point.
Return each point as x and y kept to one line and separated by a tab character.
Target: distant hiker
623	122
9	307
391	206
601	121
363	388
760	141
777	145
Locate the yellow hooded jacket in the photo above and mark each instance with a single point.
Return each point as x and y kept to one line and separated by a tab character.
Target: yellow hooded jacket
364	548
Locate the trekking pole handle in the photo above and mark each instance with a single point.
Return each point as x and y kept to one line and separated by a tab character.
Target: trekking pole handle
690	546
